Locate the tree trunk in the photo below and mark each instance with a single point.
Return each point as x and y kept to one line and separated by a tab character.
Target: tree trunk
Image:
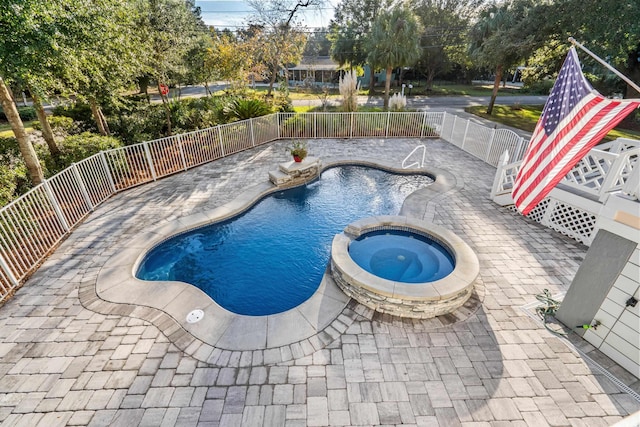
496	86
47	132
274	74
26	149
103	118
167	110
97	116
206	87
372	80
387	88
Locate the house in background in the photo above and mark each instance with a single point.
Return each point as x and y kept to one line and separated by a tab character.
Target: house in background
314	70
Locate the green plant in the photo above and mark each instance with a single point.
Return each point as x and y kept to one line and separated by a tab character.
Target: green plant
26	113
65	124
298	149
80	113
242	109
75	148
14	179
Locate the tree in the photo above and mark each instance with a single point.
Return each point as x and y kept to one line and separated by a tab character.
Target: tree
443	42
170	28
30	53
501	37
349	31
393	42
279	39
26	149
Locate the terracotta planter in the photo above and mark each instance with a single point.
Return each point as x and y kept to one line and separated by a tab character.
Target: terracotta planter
297	159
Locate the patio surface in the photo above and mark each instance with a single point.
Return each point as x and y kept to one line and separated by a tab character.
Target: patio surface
64	364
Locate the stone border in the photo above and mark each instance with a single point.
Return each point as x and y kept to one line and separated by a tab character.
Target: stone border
417	204
416	300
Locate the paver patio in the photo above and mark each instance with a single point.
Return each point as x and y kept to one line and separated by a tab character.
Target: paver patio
64	364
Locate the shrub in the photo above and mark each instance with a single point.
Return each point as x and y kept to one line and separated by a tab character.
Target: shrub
349	90
242	109
538	87
75	148
80	113
65	124
14	179
26	114
397	102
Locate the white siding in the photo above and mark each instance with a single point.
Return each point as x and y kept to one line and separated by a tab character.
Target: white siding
618	336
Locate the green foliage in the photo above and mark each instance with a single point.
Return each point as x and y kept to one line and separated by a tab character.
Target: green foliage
75	148
63	123
80	113
538	87
14	179
26	114
242	109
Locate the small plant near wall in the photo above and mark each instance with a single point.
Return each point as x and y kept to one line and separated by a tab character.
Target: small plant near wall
298	150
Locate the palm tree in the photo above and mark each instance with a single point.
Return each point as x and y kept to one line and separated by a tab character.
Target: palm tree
394	42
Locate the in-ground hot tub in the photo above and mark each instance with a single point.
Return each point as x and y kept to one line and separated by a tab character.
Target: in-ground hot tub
403	266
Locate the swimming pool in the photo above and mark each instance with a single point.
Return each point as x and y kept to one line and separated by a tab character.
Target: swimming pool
272	258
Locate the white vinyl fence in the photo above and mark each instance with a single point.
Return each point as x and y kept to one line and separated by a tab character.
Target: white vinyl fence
33	225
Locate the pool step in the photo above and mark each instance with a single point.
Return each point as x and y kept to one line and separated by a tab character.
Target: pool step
293	173
279	178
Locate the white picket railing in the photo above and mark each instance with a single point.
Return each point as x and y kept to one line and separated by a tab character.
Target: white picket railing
33	225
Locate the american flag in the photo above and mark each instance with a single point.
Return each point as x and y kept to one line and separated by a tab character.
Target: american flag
575	117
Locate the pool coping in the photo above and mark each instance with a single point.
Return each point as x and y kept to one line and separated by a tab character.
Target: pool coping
223	335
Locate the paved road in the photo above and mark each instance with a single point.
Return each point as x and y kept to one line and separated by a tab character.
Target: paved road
426	102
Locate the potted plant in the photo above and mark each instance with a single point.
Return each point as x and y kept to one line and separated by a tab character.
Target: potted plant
298	150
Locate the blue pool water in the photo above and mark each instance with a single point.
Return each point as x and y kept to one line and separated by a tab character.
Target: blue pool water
401	256
272	258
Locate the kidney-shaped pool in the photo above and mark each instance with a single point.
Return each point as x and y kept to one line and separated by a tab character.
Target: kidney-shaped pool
272	257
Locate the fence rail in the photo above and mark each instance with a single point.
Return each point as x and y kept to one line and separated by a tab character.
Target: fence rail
33	225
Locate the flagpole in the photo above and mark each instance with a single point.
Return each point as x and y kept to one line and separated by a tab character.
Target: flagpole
597	58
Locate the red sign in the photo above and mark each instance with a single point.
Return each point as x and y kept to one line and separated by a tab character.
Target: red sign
164	89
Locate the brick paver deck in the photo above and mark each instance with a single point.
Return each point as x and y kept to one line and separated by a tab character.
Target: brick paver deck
64	364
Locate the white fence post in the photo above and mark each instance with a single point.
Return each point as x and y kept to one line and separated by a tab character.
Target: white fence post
490	145
56	206
278	123
83	189
386	129
220	139
108	172
464	138
453	127
444	120
351	126
253	140
7	272
182	156
315	125
147	153
497	179
519	155
424	121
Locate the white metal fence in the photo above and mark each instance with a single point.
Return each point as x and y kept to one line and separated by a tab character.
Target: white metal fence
33	225
572	208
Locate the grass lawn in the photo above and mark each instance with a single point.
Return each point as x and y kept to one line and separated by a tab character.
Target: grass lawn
6	132
525	117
